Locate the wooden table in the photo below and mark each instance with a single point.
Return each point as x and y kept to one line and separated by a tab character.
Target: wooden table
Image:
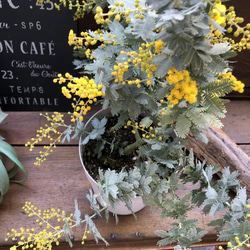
60	180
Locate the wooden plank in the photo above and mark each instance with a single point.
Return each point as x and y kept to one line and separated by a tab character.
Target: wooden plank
237	121
61	180
246	149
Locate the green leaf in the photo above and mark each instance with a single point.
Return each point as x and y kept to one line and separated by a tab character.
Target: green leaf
187	57
4	180
211	193
229	232
193	236
244	228
242	195
166	241
13	171
77	214
66	232
208	173
159	5
197	63
182	126
93	229
144	182
93	202
214	223
164	64
161	93
215	208
219	88
196	115
144	28
172	14
85	140
68	240
161	233
2	115
225	235
142	99
219	48
98	128
218	65
146	122
204	56
118	30
67	133
184	241
10	152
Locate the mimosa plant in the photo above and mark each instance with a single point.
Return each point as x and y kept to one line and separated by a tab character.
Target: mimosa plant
161	66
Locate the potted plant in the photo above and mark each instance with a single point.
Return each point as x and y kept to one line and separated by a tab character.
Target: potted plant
6	150
161	70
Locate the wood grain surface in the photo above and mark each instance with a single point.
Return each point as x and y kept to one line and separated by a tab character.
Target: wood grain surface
60	180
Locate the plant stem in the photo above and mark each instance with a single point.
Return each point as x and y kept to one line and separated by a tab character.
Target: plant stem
139	142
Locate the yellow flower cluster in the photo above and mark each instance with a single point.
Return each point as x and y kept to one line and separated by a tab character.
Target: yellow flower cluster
184	87
74	40
142	59
234	25
84	89
147	133
218	13
119	70
88	40
238	85
84	40
80	6
50	131
119	12
43	239
158	45
42	2
227	18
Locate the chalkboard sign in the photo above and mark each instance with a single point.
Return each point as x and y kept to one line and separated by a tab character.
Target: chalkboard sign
33	50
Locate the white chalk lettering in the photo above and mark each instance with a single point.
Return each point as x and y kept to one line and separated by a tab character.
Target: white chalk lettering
26	89
13	6
6	46
4	25
13	100
18	64
34	74
6	74
20	101
11	88
51	48
45	73
34	65
19	89
40	48
31	25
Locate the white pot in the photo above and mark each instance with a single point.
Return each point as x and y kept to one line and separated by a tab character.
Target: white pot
121	209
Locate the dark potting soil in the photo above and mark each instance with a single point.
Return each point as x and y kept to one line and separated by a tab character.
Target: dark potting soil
110	159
